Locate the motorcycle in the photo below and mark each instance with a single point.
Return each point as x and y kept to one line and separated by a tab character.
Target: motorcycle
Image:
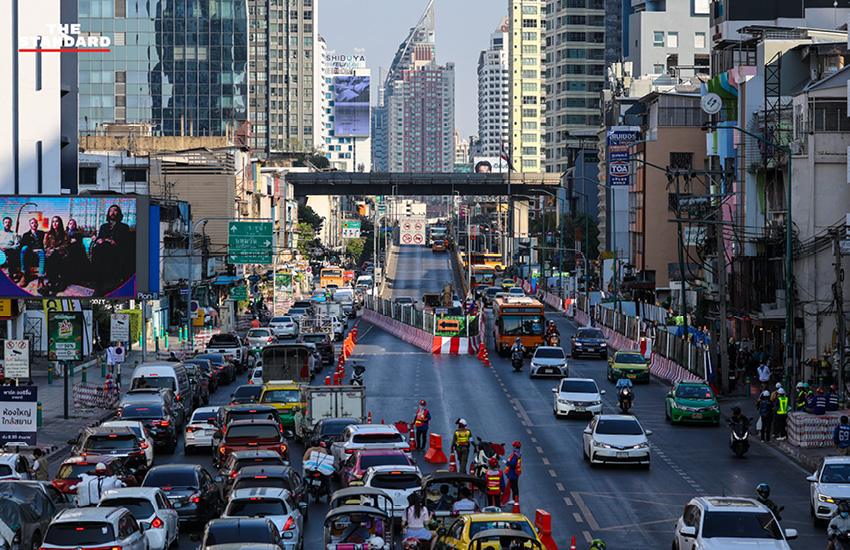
516	360
318	484
625	398
484	450
357	376
739	438
554	339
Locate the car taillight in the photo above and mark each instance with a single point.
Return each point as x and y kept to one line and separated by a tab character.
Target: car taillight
269	340
178	396
247	343
289	525
156	523
282	448
145	445
191	429
195	498
161	423
349	451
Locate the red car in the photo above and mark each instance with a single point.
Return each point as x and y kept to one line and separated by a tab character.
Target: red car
251	435
67	478
353	468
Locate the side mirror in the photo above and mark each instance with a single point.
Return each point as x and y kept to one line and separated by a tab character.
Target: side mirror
288	434
790	534
302	506
441	531
554	390
812	478
610	361
588	431
670	394
648	433
144	526
688	531
195	537
601	392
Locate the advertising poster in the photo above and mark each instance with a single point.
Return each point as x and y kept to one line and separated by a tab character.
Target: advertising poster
68	246
16	357
620	140
65	335
351	106
18	415
489	165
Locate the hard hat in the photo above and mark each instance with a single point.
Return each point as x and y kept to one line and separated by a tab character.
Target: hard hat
517	444
493	462
461	421
778	385
832	387
422	402
820	390
100	467
800	385
780	391
765	393
805	384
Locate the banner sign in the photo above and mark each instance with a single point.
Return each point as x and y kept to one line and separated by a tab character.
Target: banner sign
65	335
18	415
620	140
16	356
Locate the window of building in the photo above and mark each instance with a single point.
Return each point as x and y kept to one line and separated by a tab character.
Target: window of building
529	86
529	73
699	40
529	164
529	138
529	125
529	151
658	68
658	39
529	23
529	113
88	176
672	39
529	48
529	61
529	35
529	10
529	100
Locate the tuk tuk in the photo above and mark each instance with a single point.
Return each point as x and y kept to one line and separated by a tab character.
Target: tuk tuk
362	496
358	528
504	539
441	490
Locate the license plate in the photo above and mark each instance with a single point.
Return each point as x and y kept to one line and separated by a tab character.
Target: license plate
622	455
632	375
580	409
316	482
697	416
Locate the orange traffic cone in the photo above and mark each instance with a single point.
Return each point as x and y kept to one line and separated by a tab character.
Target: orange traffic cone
573	544
516	506
486	358
480	355
452	462
369	418
411	440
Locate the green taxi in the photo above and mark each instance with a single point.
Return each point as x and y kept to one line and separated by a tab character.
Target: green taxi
692	402
633	363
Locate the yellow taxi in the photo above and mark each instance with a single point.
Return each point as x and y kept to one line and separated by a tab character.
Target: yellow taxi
284	395
507	283
633	363
461	531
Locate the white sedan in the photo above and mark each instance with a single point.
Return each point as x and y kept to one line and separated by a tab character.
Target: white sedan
284	326
147	505
577	396
829	485
549	360
616	439
398	481
199	430
730	523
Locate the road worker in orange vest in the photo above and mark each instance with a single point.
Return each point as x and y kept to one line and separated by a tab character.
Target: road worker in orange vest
420	425
493	477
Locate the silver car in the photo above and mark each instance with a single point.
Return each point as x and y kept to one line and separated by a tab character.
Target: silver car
270	503
260	338
549	361
99	527
199	431
284	326
148	505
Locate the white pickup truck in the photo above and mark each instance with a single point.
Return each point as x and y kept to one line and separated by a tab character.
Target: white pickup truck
231	347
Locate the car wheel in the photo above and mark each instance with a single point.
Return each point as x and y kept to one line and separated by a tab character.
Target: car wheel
36	541
592	463
645	466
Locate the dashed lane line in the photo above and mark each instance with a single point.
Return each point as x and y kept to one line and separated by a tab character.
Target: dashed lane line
561	488
524	414
587	537
545	461
578	517
553	473
591	521
539	449
677	469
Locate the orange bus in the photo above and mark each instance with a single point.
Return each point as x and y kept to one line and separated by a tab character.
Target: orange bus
517	317
332	275
482	275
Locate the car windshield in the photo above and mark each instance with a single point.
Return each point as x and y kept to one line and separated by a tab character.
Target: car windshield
112	442
515	325
78	533
280	396
578	386
253	482
170	478
298	311
256	507
477	526
740	525
618	427
147	410
165	382
549	353
590	334
367	461
203	416
229	534
378	438
630	359
396	481
72	471
836	473
281	320
694	392
252	431
492	291
141	508
223	340
259	333
248	392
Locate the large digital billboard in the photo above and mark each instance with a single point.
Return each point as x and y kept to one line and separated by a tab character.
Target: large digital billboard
351	105
73	246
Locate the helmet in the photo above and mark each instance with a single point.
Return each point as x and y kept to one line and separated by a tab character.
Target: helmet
518	339
843	506
763	490
778	385
461	422
597	544
820	390
805	384
832	388
376	543
736	410
800	385
780	391
517	444
101	467
765	393
422	402
551	322
493	462
316	442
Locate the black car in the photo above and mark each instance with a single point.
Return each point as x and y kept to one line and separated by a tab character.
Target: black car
223	368
159	421
247	394
329	429
490	294
207	368
279	477
589	341
306	304
190	489
117	441
237	460
157	395
323	344
238	532
248	411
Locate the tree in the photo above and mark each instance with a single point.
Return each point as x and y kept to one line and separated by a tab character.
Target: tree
306	238
354	248
309	216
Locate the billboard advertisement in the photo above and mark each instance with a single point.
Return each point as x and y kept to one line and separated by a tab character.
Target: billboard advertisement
620	140
351	105
488	165
65	335
73	246
19	406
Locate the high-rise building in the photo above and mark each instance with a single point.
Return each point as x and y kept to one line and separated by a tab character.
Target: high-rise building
415	118
526	99
575	75
179	66
657	47
345	134
461	149
284	75
493	94
728	17
38	99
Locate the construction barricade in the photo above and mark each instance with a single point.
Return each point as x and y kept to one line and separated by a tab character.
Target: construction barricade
435	454
809	430
95	396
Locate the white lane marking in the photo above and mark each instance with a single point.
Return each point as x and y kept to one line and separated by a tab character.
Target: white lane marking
528	431
539	449
553	473
677	469
522	412
577	517
591	521
534	440
545	461
587	537
561	488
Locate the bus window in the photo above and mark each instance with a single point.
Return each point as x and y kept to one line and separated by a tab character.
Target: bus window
521	325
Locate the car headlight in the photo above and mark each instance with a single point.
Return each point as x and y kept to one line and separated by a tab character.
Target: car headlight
825	498
534	365
603	345
602	445
640	446
563	402
578	344
593	403
684	408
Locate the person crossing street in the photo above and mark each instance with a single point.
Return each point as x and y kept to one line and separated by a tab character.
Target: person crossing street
420	425
460	444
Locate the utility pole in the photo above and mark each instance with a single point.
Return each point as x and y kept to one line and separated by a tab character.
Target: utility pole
681	246
838	292
721	300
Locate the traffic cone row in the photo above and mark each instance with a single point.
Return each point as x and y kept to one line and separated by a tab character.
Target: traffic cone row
354	334
486	362
480	355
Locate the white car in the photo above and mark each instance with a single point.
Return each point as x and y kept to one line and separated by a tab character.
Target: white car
260	338
397	481
829	485
95	527
270	503
284	326
199	430
549	361
256	376
339	327
616	439
516	291
577	396
14	466
356	437
148	505
729	523
140	431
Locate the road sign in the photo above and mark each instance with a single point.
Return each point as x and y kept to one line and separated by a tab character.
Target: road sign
350	233
382	209
845	247
20	415
448	325
350	225
17	359
407	238
249	242
119	327
417	239
239	293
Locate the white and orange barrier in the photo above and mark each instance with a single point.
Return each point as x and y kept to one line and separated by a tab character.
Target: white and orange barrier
669	370
411	335
444	345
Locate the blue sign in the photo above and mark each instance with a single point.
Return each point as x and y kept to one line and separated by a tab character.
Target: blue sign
620	141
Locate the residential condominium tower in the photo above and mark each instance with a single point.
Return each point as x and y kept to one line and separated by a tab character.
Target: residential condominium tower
525	99
493	93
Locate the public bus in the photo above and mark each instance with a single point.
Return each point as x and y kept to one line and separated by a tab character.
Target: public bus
517	317
332	275
491	259
482	275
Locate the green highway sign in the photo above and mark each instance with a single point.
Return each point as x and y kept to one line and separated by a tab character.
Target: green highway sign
239	293
382	208
249	242
350	225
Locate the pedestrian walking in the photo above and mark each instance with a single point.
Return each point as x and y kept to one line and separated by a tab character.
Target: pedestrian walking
764	375
841	436
460	444
420	425
765	408
781	417
111	358
39	468
513	469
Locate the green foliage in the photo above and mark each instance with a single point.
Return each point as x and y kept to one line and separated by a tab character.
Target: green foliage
306	238
354	248
309	216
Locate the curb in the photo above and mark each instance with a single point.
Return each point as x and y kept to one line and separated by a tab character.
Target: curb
798	455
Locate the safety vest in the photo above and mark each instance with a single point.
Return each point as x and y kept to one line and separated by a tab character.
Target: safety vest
781	404
462	437
421	417
518	468
801	398
494	482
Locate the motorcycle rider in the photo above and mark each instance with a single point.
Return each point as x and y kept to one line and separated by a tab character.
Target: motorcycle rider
622	384
517	347
320	448
460	444
493	477
420	424
839	527
552	329
513	469
763	492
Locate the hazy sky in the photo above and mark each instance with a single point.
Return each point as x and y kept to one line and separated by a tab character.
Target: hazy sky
379	26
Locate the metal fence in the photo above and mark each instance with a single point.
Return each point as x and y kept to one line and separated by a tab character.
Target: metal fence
417	318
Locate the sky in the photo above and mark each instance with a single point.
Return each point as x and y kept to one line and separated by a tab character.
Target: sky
379	26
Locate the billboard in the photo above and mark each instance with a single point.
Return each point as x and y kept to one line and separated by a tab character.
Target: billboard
620	141
487	165
19	406
73	246
351	105
65	335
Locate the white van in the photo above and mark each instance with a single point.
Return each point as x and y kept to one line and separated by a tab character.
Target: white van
171	376
364	280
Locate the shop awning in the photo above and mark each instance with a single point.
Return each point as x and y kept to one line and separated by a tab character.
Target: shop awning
226	280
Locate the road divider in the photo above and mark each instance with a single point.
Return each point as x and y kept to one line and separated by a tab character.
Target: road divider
435	454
